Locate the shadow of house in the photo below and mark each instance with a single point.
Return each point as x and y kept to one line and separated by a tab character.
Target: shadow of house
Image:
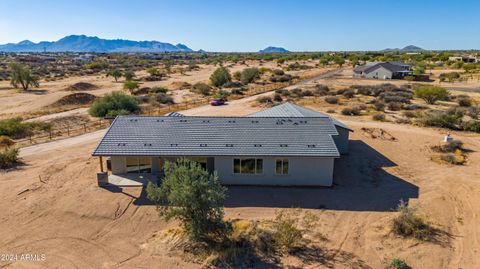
360	184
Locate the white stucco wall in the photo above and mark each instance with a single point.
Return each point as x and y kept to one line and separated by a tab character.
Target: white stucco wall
119	165
380	73
303	171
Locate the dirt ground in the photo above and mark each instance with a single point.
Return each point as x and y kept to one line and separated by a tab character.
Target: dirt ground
52	205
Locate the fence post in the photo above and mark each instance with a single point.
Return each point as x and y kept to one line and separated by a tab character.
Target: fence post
30	139
68	130
85	127
50	134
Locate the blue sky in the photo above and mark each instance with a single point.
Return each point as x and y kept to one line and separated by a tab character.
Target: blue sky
249	25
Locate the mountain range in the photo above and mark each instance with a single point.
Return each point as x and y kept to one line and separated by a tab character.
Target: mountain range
409	48
83	43
273	50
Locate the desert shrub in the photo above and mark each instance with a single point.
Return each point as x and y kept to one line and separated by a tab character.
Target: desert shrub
414	107
220	77
409	114
307	93
464	100
281	78
348	93
278	72
378	117
16	128
131	86
451	119
142	99
116	103
289	228
473	112
449	147
331	111
193	196
431	94
277	97
472	126
237	75
249	75
409	224
397	263
238	91
331	99
403	121
221	94
233	84
283	92
163	98
202	88
451	158
379	105
351	111
297	92
158	90
8	157
321	90
264	99
364	91
6	141
394	106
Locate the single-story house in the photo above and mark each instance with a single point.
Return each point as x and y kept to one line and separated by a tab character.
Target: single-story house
286	145
382	70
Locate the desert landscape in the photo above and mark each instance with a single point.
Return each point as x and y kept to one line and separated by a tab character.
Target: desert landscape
52	204
234	135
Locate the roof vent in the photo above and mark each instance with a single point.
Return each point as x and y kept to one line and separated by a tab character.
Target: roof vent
147	145
254	121
133	120
283	145
173	145
206	120
311	146
203	145
121	144
229	145
183	120
159	120
231	121
257	145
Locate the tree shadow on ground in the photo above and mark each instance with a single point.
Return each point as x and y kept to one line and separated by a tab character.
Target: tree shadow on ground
330	258
36	92
360	184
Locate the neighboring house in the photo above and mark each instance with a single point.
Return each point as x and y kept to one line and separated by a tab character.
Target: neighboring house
382	70
466	58
286	145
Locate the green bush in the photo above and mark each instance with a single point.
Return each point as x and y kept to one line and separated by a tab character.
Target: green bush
220	77
397	263
193	196
16	128
116	103
249	75
6	141
451	119
409	224
289	228
8	158
264	99
431	94
472	126
449	147
202	89
131	86
278	72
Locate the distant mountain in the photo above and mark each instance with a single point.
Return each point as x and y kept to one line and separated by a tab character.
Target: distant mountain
410	48
83	43
273	50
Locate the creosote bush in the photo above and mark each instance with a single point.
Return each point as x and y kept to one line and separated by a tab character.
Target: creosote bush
289	228
378	117
116	103
397	263
8	157
351	111
409	224
331	99
431	94
202	88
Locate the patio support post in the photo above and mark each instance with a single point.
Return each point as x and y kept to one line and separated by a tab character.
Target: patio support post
101	163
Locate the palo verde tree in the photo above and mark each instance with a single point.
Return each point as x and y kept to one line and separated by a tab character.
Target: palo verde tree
220	77
249	75
193	196
431	94
131	86
116	74
21	76
129	75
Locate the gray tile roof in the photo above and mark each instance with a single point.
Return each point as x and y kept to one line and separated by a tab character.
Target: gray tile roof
219	136
392	66
292	110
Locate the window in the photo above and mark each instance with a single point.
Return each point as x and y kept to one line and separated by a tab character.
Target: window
139	164
248	166
281	167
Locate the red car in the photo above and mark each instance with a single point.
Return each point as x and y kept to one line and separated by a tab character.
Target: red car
217	102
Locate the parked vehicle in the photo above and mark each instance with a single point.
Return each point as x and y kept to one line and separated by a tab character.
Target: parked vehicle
217	102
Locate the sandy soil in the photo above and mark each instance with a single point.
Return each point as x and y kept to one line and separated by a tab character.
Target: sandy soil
52	205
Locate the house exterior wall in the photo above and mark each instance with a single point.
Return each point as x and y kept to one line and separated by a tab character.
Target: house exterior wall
303	171
380	73
341	140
